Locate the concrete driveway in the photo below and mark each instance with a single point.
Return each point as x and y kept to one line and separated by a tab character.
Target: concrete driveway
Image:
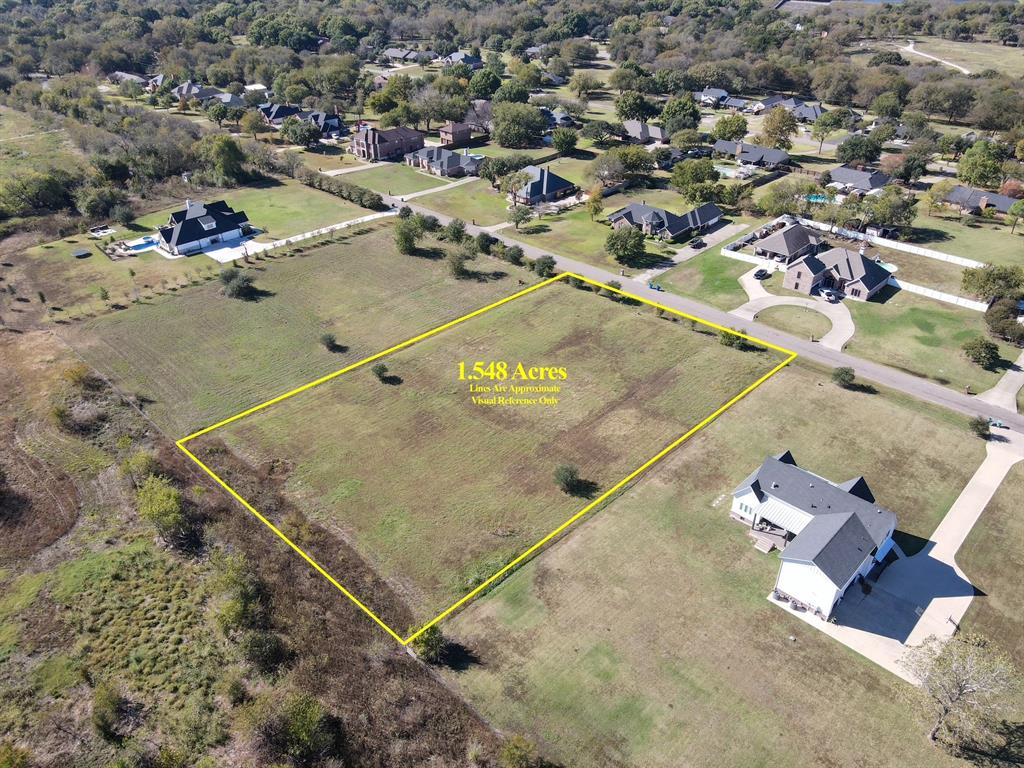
685	253
927	594
1004	393
760	299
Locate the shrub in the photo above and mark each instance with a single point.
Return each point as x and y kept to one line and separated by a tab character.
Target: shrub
518	752
843	377
380	371
264	650
728	338
159	503
982	352
544	266
979	425
328	340
140	465
295	725
106	710
513	254
567	477
429	645
484	241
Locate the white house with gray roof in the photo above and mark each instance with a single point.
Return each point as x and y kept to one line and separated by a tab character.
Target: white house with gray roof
831	534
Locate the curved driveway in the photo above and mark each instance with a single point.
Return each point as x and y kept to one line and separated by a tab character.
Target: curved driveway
842	324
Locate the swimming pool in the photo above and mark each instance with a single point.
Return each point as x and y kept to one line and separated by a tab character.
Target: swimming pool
818	198
144	244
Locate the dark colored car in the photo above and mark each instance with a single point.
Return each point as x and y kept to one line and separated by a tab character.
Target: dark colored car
762	274
698	243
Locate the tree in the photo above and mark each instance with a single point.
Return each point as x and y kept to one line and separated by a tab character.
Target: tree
329	341
222	158
544	266
456	261
892	208
964	681
843	376
778	128
982	352
236	284
407	232
730	128
104	294
859	149
598	130
252	123
217	112
937	194
429	645
1015	212
380	371
691	172
680	114
517	125
886	104
993	281
595	201
567	478
518	215
564	140
160	504
827	124
483	84
1001	320
107	703
583	84
632	105
981	166
511	90
980	426
687	139
518	752
454	231
300	132
626	245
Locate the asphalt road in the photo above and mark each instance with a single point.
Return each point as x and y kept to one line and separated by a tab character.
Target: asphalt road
866	370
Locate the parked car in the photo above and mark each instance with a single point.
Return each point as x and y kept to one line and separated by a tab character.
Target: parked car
830	295
698	243
762	274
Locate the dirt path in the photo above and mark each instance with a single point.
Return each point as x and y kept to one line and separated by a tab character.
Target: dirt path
909	48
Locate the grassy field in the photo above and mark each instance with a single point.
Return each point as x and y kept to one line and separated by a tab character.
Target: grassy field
364	457
475	202
281	209
199	356
539	154
993	558
395	179
646	638
572	233
923	337
25	144
974	56
326	158
968	237
921	270
796	320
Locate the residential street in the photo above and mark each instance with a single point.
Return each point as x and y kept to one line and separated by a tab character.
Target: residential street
876	373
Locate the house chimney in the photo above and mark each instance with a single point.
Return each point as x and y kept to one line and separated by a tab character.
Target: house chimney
863	249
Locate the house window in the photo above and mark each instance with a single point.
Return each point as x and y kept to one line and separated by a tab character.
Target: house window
799	274
855	291
796	286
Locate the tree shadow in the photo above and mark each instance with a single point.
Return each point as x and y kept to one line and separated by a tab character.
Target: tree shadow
486	277
865	389
538	228
1000	744
583	489
13	507
433	254
458	657
336	347
920	235
391	380
255	294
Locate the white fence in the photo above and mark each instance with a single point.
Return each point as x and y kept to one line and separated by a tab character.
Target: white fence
931	293
260	247
895	245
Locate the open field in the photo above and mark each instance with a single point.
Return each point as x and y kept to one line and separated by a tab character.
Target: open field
796	320
993	558
492	149
200	357
974	56
475	202
968	237
395	179
646	637
329	158
26	145
364	456
921	270
923	337
282	209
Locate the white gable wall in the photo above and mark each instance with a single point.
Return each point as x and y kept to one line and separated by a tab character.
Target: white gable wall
744	505
808	584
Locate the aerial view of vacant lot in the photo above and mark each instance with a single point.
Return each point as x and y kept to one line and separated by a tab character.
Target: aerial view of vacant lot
438	491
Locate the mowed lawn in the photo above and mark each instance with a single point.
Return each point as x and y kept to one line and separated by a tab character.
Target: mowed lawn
572	233
438	492
923	337
201	357
476	202
993	558
799	321
395	179
280	208
986	241
646	638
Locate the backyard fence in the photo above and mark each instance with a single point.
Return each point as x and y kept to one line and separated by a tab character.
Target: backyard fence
261	247
931	293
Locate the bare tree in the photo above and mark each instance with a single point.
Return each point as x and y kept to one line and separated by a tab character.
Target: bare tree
964	682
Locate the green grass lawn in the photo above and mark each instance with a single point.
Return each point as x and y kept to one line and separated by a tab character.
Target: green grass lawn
364	457
993	558
200	356
921	270
923	337
490	149
799	321
329	158
971	238
395	179
475	202
574	166
645	638
282	209
571	233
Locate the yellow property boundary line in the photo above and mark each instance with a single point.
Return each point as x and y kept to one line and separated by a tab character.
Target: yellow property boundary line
791	356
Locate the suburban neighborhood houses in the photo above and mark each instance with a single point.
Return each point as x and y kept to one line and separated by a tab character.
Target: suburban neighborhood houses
515	385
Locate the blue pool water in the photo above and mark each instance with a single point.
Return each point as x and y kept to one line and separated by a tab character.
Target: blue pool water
146	244
817	198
